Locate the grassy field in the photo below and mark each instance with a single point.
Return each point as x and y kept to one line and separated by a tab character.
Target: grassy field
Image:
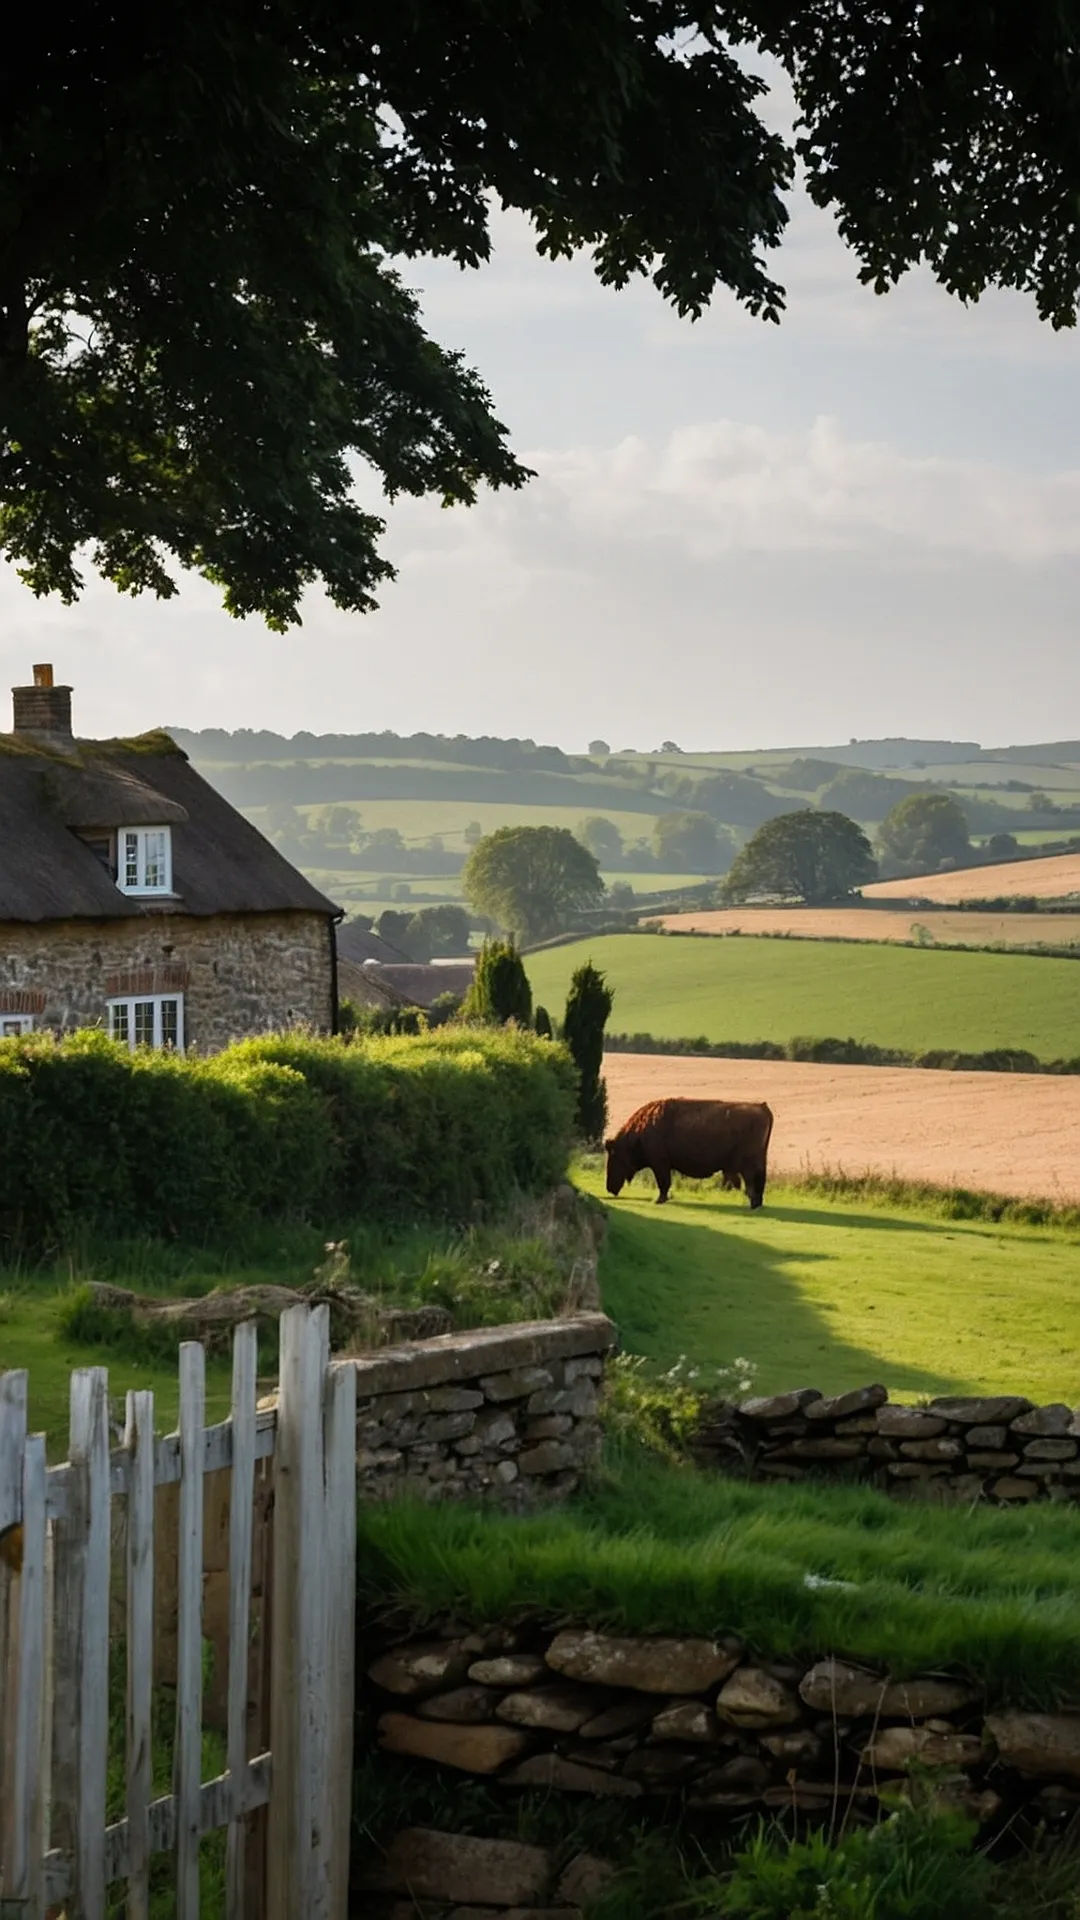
837	1293
370	893
664	1549
739	989
418	820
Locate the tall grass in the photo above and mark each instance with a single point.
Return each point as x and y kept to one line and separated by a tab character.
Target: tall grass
657	1548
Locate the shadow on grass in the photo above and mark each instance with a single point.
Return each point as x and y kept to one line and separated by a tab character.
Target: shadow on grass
713	1292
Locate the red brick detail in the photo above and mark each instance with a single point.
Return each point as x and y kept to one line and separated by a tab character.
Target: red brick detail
21	1000
123	986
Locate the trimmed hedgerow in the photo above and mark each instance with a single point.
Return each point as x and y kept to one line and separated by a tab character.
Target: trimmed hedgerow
832	1051
444	1126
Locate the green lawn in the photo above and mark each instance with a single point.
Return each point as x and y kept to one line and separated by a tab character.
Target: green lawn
838	1293
656	1549
747	989
30	1337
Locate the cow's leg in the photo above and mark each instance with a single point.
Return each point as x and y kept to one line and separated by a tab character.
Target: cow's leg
755	1188
663	1182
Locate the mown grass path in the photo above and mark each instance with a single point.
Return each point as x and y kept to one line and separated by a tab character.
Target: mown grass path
837	1293
744	989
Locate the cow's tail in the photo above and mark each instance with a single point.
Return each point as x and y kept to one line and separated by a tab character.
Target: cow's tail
768	1126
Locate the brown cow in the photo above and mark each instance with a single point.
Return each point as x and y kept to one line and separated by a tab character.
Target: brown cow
694	1137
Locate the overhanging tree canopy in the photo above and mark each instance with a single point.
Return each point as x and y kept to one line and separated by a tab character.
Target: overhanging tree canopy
200	329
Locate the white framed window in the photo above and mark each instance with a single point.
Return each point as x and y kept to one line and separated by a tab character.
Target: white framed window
12	1024
144	860
148	1020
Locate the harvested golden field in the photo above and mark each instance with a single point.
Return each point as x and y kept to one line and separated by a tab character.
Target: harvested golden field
1051	879
882	924
1008	1133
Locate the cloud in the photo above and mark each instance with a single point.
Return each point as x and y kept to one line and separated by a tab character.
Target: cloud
727	486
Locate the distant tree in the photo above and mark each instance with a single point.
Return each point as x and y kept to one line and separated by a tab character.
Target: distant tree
1039	802
599	749
444	930
690	843
385	840
473	833
336	823
805	775
737	799
602	838
588	1005
669	746
864	796
1003	846
392	926
923	830
620	894
531	880
500	988
810	856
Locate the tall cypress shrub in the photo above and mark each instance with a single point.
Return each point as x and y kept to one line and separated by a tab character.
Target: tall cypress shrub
500	989
588	1005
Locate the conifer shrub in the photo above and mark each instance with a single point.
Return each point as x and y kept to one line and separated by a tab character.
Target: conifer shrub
588	1005
449	1125
500	989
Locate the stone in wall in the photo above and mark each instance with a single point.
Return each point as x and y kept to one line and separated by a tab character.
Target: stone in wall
787	1734
466	1415
997	1447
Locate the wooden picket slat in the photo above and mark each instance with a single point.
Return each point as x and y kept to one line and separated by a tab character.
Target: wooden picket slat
21	1881
81	1648
188	1753
13	1402
139	1440
339	1427
296	1883
241	1511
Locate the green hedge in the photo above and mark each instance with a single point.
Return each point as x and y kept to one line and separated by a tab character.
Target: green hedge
829	1051
444	1126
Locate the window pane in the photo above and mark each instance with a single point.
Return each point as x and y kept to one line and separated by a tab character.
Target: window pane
154	870
131	859
170	1023
10	1028
144	1023
118	1020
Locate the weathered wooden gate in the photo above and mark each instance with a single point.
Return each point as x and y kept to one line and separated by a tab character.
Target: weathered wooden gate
59	1852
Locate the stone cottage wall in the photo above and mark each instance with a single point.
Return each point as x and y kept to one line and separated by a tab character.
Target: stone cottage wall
239	974
1000	1448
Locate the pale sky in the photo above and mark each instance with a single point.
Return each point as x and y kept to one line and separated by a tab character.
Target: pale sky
863	522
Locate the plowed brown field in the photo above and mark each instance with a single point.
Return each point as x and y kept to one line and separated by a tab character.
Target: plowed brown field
1051	879
1008	1133
878	923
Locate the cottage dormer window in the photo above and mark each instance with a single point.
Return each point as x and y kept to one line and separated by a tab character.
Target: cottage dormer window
144	860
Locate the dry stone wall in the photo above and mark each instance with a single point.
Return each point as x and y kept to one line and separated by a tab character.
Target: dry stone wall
999	1448
505	1412
584	1712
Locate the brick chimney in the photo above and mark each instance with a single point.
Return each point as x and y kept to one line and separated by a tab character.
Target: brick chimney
43	712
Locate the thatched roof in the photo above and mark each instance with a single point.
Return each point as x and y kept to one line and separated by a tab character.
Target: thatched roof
221	863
